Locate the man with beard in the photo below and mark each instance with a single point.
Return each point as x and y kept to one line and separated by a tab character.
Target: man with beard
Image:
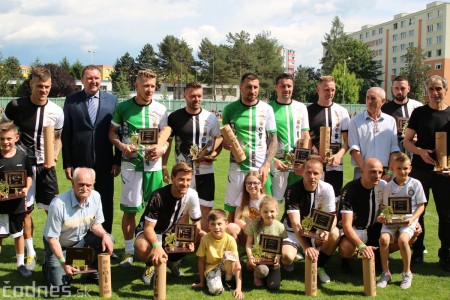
401	106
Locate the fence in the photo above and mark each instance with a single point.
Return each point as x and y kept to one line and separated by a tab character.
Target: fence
174	104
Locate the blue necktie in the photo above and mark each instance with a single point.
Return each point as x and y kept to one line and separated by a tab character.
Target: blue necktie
92	109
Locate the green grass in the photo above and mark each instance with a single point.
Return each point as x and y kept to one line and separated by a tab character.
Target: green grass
430	281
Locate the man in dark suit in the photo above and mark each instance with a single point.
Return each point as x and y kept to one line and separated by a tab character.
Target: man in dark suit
85	141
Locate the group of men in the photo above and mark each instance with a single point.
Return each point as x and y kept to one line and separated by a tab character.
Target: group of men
96	134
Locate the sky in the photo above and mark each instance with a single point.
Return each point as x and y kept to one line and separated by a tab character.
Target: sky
100	31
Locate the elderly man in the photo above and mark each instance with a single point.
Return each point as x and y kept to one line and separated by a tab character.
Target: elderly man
74	220
373	134
425	121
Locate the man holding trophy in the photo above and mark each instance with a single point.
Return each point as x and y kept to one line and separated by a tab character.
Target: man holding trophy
197	142
140	120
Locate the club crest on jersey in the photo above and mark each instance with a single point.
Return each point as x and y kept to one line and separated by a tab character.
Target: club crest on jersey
411	192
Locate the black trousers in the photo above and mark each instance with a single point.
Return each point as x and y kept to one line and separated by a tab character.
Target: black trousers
104	184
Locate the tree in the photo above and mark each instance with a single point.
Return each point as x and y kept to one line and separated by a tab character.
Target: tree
122	89
124	65
416	71
147	59
63	83
76	69
340	48
175	60
347	85
305	83
241	55
268	62
9	69
65	64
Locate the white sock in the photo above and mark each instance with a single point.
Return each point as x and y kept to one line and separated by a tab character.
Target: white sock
129	246
29	246
20	259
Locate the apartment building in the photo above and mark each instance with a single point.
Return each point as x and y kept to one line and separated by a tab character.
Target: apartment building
428	29
288	60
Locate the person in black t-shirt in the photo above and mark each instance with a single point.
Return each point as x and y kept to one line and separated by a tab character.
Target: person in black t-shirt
14	210
425	121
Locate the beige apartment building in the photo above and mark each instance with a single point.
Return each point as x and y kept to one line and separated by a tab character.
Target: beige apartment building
428	29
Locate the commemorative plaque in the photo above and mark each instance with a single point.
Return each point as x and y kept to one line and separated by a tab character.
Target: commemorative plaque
16	180
148	136
81	259
181	241
402	124
322	220
269	247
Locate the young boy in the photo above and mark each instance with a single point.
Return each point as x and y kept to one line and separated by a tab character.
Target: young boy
401	186
12	159
218	252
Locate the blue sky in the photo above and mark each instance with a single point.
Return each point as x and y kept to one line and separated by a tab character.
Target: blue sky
53	29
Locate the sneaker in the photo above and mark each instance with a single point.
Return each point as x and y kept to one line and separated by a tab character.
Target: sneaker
148	274
257	282
24	271
385	278
30	262
323	276
174	268
289	268
406	280
127	260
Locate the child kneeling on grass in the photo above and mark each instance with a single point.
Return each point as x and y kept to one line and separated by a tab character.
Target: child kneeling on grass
268	224
405	187
217	252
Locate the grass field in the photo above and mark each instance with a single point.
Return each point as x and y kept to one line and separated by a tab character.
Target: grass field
430	281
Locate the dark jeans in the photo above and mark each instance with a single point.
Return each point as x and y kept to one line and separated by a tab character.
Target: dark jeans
52	269
439	185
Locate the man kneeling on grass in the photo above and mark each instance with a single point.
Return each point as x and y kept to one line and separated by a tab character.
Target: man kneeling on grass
218	252
166	207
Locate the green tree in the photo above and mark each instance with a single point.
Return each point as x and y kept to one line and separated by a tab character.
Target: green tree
124	65
305	83
241	55
9	69
416	71
122	87
347	85
147	59
268	62
76	69
65	64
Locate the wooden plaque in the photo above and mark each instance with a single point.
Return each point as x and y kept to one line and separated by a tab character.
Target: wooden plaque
16	179
401	122
400	205
301	155
322	220
185	232
271	243
80	258
335	147
148	136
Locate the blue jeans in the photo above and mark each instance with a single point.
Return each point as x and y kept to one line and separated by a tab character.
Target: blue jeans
52	269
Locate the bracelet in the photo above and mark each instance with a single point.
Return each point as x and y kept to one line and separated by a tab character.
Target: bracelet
390	172
62	260
361	246
154	245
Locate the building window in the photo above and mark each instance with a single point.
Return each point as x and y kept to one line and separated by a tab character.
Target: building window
439	39
428	54
402	59
380	52
430	28
394	49
438	52
402	24
438	66
411	33
394	71
395	26
361	36
380	41
439	26
429	41
380	30
367	34
403	35
430	15
440	12
374	32
394	60
394	37
411	44
402	47
412	21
